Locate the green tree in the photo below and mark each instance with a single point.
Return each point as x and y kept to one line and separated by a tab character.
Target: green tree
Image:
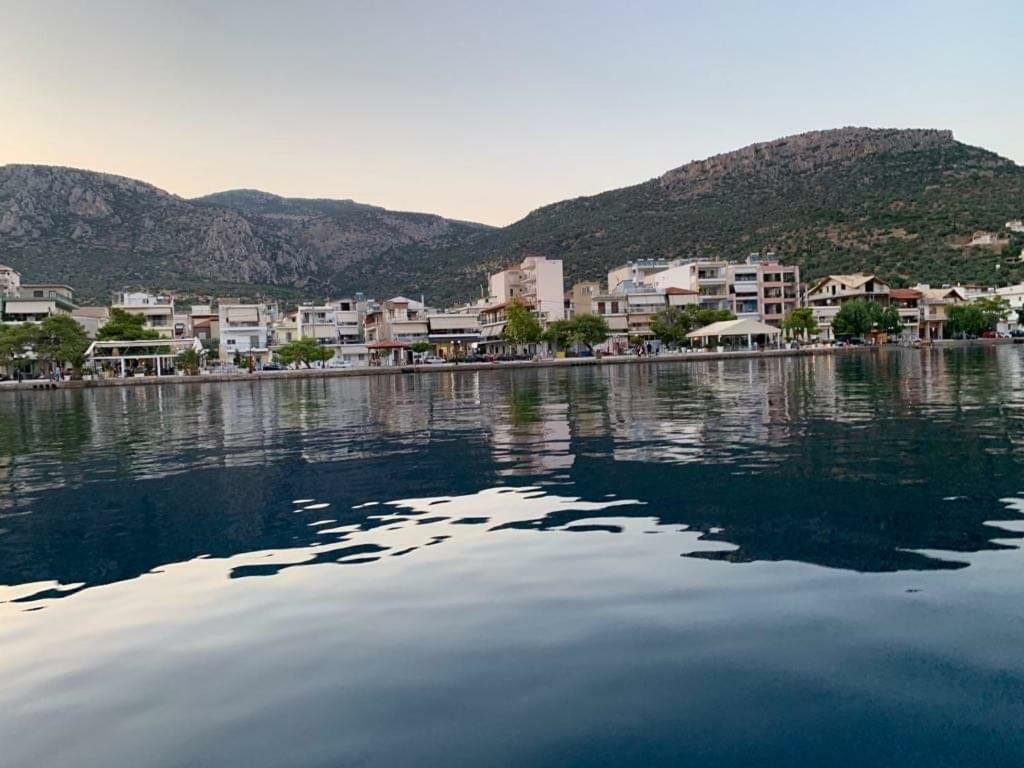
671	324
966	319
420	347
15	341
856	318
994	308
303	352
125	326
189	360
521	327
60	340
559	334
889	320
589	330
800	322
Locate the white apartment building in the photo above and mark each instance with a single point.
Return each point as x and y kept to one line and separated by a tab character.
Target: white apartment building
244	329
709	279
158	311
638	272
537	281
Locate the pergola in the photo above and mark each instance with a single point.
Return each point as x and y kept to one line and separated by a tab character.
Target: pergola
160	351
725	329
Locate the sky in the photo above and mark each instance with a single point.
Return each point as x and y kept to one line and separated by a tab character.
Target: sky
482	110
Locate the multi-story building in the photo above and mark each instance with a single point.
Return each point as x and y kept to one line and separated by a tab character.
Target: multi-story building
709	279
244	330
10	282
37	301
205	322
637	272
908	302
780	291
828	294
158	311
397	320
336	325
536	281
453	335
935	303
746	289
492	325
629	313
581	298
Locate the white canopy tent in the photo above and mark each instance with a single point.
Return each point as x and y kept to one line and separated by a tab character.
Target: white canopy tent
726	329
160	352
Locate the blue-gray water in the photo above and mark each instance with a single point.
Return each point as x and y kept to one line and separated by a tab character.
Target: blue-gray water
753	562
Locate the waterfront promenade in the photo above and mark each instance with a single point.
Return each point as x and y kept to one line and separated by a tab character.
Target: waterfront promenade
317	373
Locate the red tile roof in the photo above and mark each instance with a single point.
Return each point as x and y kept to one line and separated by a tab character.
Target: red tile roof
904	294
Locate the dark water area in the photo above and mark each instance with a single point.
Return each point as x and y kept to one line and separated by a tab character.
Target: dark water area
747	562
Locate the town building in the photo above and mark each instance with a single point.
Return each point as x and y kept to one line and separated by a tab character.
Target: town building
828	294
244	331
935	304
581	298
536	281
205	323
336	325
637	272
709	279
453	335
398	319
37	301
908	302
158	311
91	319
780	290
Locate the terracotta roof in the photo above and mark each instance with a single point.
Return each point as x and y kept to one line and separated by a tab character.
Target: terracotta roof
905	294
386	344
680	292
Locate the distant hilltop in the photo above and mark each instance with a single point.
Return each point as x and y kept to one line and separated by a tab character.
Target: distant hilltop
898	203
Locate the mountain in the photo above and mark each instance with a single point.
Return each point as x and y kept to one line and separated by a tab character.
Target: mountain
100	232
903	203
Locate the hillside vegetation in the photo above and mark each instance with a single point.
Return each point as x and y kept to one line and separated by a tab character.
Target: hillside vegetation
902	203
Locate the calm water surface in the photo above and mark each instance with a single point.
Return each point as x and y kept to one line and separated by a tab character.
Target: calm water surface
751	562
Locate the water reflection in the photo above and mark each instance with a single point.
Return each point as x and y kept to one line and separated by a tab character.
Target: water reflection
868	462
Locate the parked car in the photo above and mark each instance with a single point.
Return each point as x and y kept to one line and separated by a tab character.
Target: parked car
432	360
334	362
273	367
988	334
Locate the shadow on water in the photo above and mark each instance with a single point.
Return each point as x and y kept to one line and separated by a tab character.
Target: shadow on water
874	462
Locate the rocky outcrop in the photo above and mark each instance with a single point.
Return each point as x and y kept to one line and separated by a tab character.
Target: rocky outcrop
804	153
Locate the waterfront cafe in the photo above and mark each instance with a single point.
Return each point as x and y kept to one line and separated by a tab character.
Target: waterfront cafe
744	333
142	357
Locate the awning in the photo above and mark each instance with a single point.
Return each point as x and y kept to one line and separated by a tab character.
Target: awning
725	328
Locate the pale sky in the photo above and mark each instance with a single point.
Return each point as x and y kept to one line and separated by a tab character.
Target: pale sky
482	110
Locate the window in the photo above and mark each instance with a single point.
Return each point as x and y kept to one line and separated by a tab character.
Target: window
37	294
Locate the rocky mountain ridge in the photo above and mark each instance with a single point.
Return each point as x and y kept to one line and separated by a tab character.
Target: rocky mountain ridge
903	203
